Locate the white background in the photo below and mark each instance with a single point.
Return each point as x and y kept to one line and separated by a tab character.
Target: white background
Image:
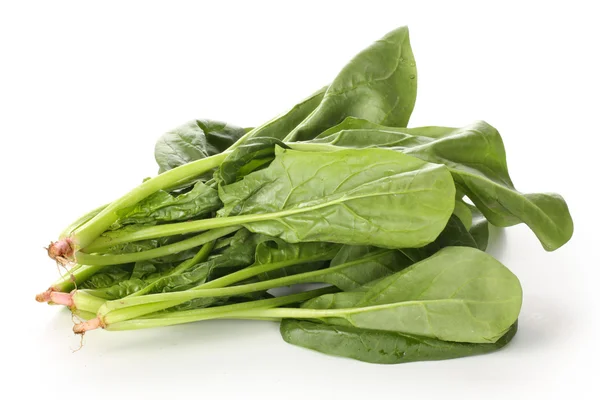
85	90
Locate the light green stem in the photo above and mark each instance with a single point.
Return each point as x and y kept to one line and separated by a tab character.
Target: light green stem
228	311
180	228
314	147
83	301
74	276
200	257
254	270
84	314
87	233
80	221
128	308
114	259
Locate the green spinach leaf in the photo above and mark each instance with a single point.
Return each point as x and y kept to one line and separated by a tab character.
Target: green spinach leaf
459	294
280	126
164	207
364	197
379	84
194	140
476	158
381	347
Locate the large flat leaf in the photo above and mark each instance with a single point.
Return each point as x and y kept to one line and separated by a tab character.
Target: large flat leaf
459	294
381	347
475	155
379	84
364	197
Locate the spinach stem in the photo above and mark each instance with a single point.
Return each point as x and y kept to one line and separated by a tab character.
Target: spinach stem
228	311
114	259
78	273
200	257
89	231
129	308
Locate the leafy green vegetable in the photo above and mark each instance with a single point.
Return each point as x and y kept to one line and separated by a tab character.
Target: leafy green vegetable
108	277
355	266
337	192
381	347
459	294
252	155
379	84
476	158
366	197
164	207
193	141
280	126
479	228
462	211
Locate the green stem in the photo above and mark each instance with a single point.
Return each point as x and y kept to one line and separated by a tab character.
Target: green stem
114	259
180	228
80	221
84	314
128	308
314	147
228	311
83	301
200	257
252	271
87	233
74	276
177	228
224	242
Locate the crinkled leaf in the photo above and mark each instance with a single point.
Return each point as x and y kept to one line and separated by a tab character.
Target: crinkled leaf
194	140
119	289
238	255
109	276
163	207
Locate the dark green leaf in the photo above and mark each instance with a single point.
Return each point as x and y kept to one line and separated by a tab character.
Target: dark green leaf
109	276
164	207
475	155
381	347
354	266
193	141
254	154
282	125
379	84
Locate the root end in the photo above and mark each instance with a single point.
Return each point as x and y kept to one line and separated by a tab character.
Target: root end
83	327
65	299
61	251
44	297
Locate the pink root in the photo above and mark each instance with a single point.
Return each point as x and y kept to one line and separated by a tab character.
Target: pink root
61	251
44	297
65	299
89	325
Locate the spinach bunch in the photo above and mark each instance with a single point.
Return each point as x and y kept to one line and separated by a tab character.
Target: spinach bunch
391	223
